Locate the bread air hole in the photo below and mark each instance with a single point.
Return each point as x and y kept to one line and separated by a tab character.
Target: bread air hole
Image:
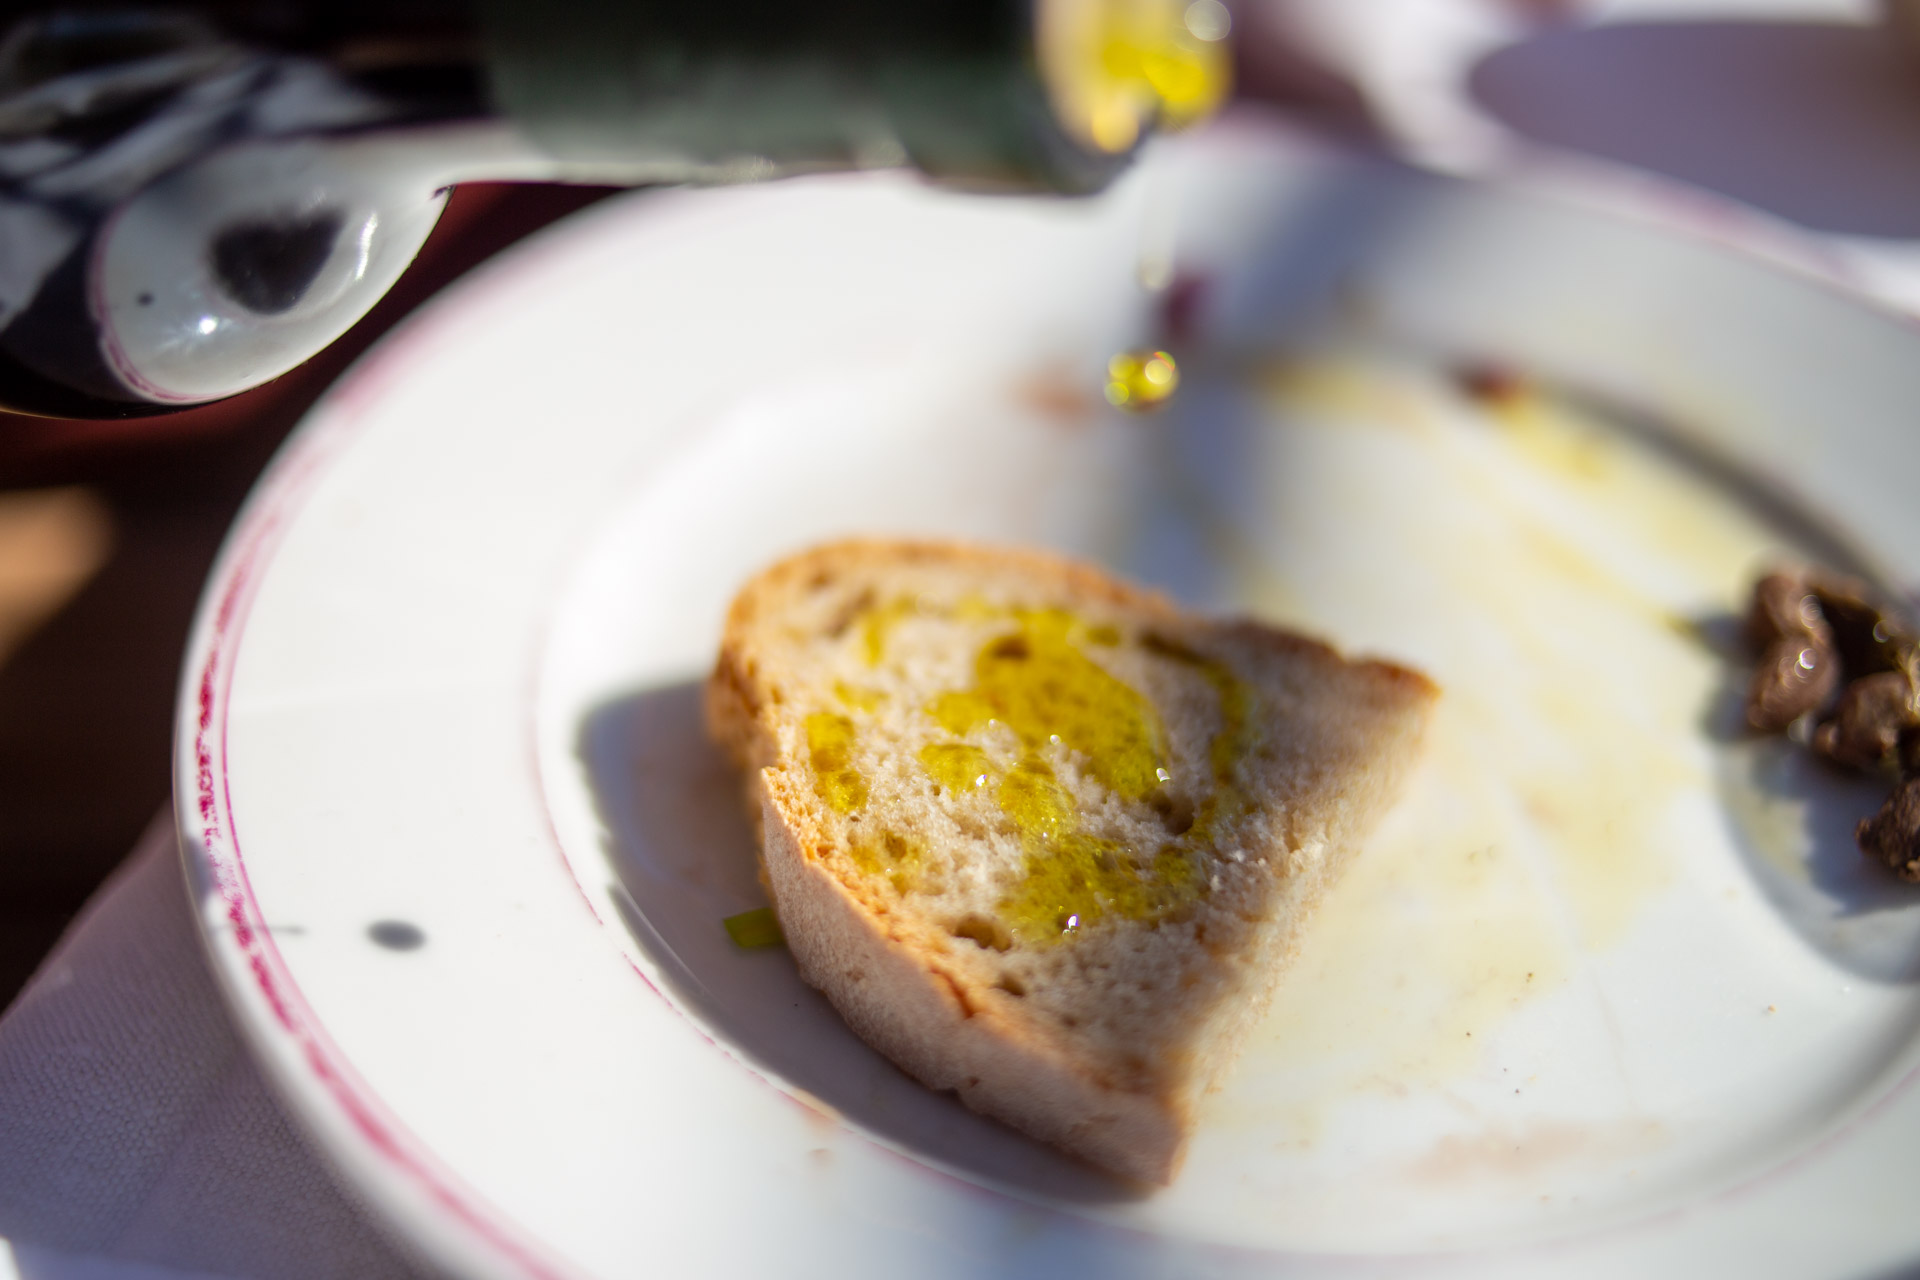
982	931
1176	811
849	610
1013	648
1011	985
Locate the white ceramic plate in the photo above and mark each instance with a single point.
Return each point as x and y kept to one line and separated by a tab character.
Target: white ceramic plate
1610	992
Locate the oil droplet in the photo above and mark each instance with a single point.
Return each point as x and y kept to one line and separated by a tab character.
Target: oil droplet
753	930
960	767
1141	380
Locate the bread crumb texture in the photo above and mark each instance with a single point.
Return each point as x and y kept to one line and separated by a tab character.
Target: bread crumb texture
1039	835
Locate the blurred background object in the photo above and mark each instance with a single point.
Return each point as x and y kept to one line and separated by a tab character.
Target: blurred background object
1784	128
1815	121
51	542
196	197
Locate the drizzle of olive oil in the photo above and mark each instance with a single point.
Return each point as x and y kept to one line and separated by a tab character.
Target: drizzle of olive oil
1072	879
1039	683
878	622
836	779
894	856
1141	380
1114	68
857	698
1234	740
1040	807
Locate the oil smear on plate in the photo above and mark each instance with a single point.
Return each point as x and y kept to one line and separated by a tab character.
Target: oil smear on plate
1559	988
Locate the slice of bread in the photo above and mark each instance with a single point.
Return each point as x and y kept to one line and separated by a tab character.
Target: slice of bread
1040	836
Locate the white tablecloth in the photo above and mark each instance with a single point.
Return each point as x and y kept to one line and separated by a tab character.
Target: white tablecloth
137	1139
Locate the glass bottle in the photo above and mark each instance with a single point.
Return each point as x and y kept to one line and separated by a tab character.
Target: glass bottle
194	200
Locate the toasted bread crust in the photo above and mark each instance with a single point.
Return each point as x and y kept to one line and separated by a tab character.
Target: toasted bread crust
897	979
